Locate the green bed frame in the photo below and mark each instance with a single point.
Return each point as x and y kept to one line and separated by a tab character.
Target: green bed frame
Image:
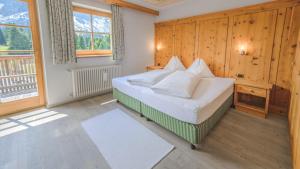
192	133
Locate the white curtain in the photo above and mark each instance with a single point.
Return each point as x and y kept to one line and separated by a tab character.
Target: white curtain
60	14
118	46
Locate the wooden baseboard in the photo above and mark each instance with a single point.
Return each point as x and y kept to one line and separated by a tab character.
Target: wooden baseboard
77	99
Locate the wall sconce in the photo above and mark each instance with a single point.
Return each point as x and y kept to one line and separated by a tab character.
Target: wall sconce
158	47
243	50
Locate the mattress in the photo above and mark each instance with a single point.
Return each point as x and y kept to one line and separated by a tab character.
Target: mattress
209	95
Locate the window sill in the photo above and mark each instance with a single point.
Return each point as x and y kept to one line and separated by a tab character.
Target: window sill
88	54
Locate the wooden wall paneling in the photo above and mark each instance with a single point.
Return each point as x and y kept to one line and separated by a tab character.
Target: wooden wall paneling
294	128
206	41
272	5
294	106
256	32
228	46
296	140
211	46
281	92
281	19
184	47
164	44
294	114
296	151
178	31
288	47
278	105
220	55
295	85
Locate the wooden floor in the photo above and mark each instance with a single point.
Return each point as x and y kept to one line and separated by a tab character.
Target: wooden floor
238	141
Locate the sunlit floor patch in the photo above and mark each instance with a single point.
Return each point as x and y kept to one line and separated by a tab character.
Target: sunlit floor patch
46	120
31	113
27	120
7	125
2	121
36	117
12	130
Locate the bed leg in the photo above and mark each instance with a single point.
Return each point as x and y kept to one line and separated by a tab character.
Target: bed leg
196	146
141	115
193	147
148	119
118	101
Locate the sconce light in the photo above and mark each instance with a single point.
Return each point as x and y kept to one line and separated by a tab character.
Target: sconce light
158	46
243	50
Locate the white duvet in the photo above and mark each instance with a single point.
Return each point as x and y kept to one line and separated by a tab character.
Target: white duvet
179	83
208	96
148	79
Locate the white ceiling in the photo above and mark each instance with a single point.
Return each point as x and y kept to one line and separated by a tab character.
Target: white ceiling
156	4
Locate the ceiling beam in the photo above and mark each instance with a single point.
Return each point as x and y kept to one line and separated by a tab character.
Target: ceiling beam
130	5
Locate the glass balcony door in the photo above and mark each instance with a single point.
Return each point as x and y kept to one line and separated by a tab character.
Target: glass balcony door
21	76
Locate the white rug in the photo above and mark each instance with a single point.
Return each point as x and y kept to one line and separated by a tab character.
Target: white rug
124	142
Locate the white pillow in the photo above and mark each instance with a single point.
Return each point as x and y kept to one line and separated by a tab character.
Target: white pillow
179	83
200	68
174	64
148	79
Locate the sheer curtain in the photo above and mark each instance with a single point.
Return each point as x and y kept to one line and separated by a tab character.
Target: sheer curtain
60	15
118	46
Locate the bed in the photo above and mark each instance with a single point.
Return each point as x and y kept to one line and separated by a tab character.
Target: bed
190	119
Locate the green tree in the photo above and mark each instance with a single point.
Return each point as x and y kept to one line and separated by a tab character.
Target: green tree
81	43
77	42
18	40
102	42
2	38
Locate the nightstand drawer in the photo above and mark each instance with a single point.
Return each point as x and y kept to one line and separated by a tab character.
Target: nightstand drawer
251	90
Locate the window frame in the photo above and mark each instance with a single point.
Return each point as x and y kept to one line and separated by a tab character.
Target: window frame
92	52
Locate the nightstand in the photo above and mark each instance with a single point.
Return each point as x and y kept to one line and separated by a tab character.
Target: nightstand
252	100
154	67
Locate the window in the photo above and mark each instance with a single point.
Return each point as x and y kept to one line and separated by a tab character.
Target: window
15	30
93	32
21	80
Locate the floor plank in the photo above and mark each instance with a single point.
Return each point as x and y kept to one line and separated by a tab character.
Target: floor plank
239	141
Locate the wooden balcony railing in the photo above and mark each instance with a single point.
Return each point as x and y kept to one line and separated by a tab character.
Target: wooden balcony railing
17	75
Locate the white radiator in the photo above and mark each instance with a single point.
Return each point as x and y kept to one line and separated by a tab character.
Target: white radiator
93	80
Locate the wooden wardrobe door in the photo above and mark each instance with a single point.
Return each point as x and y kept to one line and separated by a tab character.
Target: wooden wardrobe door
289	41
185	38
294	115
256	33
294	118
164	44
212	37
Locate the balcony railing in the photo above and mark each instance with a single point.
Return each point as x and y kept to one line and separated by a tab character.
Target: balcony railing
17	77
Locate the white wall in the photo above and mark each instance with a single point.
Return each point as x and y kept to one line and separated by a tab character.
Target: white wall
139	39
196	7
